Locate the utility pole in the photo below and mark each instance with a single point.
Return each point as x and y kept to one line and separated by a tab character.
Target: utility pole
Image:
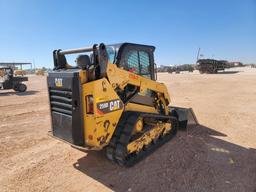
197	57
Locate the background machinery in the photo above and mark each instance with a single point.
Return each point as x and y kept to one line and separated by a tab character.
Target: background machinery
110	100
211	65
19	73
9	81
40	72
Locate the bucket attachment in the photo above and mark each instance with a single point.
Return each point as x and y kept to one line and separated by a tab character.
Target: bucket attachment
185	116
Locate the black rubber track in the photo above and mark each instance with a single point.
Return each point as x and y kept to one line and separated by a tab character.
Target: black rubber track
117	149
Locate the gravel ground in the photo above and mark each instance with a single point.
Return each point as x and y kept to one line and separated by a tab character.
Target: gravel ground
217	155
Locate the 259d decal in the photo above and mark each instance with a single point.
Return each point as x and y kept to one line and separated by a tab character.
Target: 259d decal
109	106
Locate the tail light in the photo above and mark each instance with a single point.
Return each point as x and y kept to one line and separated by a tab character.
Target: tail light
89	104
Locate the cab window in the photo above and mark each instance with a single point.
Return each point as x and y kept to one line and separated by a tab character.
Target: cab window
144	64
111	53
137	62
132	61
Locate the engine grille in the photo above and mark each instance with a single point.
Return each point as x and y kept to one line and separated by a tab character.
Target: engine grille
61	101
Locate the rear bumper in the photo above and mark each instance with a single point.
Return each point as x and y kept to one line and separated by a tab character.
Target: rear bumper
84	148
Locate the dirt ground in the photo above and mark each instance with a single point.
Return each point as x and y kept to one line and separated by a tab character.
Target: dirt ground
217	155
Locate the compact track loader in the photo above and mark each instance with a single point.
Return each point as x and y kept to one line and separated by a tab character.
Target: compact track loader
110	100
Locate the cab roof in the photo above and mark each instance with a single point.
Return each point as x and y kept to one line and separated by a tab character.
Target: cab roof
124	44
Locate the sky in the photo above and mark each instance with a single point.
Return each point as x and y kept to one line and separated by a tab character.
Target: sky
223	29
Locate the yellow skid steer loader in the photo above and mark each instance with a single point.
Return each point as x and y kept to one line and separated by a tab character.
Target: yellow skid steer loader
111	100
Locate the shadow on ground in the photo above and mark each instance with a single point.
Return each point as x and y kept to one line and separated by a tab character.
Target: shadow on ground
195	160
18	93
228	72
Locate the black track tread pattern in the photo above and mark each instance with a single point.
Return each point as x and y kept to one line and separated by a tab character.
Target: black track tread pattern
117	149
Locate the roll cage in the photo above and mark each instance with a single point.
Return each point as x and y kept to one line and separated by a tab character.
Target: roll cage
132	57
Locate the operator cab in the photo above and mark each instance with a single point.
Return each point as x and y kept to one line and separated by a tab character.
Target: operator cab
136	58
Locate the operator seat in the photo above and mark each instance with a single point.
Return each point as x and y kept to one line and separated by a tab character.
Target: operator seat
84	62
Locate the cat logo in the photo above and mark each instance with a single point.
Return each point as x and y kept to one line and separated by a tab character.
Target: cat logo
109	106
58	82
